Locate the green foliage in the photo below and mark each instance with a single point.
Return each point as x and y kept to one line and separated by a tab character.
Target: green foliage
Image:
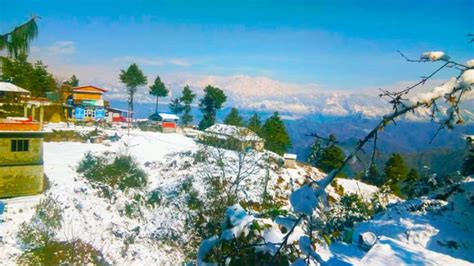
255	124
158	89
154	198
468	164
239	251
122	172
133	77
63	253
73	81
176	107
32	77
373	176
187	99
17	41
234	118
213	100
43	225
207	209
395	170
409	183
350	209
275	135
332	157
326	158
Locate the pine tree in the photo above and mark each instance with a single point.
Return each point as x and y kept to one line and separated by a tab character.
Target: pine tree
275	135
73	81
132	78
315	152
234	118
327	157
32	77
331	158
158	89
213	100
255	124
187	99
372	176
468	164
176	107
395	171
17	42
410	183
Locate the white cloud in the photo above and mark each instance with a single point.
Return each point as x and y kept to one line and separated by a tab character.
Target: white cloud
62	47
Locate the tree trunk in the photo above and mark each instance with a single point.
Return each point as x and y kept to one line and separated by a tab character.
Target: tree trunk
156	107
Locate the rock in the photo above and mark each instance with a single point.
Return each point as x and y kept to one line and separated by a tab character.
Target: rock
367	240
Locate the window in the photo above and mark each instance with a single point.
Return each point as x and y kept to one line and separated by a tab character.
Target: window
90	113
20	145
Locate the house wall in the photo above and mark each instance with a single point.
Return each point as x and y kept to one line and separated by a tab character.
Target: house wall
86	96
21	180
21	173
290	163
33	156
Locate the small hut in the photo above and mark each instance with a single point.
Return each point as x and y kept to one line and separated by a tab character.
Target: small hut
115	115
168	122
290	160
11	93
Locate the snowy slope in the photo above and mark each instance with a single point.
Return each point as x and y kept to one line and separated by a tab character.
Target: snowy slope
166	158
428	226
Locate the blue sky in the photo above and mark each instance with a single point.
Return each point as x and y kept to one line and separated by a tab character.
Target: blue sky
344	45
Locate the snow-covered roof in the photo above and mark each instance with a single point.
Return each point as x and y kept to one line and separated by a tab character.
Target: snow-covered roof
241	133
166	116
289	156
8	87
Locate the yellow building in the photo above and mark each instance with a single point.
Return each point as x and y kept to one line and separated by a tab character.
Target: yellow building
86	103
21	160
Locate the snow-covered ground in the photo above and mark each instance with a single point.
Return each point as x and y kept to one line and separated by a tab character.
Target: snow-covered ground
165	158
409	233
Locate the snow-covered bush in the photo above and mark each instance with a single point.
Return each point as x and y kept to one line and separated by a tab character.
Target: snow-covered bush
117	171
38	238
75	252
350	209
43	225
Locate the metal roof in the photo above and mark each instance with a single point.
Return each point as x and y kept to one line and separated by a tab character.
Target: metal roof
8	87
168	116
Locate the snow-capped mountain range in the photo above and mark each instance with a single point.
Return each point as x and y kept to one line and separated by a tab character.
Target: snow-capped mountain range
263	94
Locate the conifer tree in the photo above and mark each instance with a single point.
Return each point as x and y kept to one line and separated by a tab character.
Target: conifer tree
213	100
275	135
32	77
176	107
73	81
17	42
255	124
410	183
187	99
234	118
315	152
395	171
158	89
373	176
468	164
133	77
331	156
